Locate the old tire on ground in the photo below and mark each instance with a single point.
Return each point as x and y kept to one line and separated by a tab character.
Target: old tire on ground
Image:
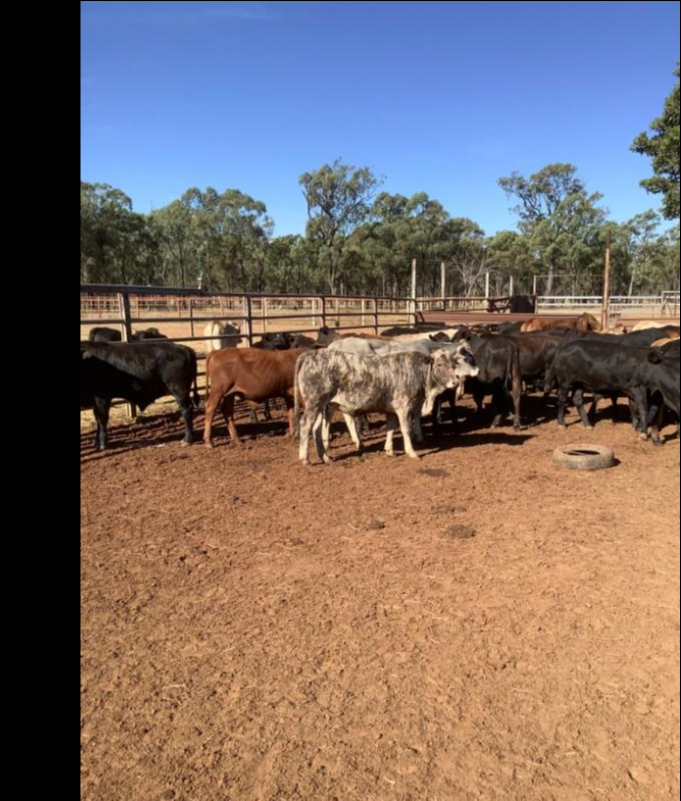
584	457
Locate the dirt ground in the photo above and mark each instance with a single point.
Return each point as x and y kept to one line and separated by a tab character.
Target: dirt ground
478	625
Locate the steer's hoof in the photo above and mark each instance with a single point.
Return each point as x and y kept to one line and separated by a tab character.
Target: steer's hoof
208	445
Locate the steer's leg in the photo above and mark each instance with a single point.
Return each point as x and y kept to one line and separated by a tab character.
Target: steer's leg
499	403
640	398
562	400
613	411
306	421
418	430
479	398
228	412
655	416
101	410
309	419
291	414
516	394
253	414
351	423
321	431
187	409
391	424
578	400
213	401
636	421
323	435
404	416
656	424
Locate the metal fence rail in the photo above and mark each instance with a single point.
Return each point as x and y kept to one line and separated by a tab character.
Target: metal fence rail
125	306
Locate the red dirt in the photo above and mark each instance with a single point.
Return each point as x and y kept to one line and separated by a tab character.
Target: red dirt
478	625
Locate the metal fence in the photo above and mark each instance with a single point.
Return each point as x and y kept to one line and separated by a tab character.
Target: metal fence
665	305
128	306
187	311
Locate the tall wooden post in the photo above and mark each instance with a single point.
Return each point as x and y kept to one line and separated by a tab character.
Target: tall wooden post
413	291
124	308
248	314
443	288
605	311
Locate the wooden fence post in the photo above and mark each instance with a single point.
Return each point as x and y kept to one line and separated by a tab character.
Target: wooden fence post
248	314
126	319
443	287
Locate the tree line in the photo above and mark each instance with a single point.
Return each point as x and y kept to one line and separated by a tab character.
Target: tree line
361	240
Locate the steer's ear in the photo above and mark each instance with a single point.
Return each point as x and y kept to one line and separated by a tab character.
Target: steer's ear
655	356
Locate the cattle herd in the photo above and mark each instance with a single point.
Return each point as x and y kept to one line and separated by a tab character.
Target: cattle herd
405	373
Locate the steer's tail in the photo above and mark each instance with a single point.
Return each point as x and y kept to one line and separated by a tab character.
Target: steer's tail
513	375
196	398
550	376
296	396
207	367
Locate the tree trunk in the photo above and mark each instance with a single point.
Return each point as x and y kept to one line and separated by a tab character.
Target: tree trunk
549	280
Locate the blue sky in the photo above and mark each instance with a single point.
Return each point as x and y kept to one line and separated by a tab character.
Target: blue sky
442	97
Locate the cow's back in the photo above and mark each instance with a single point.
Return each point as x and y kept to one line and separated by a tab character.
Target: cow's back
252	372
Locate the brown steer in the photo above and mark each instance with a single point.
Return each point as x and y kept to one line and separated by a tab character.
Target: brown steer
585	322
252	374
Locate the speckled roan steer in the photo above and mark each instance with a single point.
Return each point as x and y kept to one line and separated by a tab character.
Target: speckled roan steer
401	385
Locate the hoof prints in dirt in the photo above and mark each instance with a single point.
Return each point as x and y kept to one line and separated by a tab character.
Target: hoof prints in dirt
460	531
434	472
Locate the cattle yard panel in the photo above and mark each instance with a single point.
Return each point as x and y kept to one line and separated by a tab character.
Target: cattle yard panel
127	306
458	303
641	306
258	314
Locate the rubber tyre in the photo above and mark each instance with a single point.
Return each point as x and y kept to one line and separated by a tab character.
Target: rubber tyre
584	457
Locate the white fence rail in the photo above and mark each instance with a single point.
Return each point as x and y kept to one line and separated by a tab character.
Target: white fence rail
665	305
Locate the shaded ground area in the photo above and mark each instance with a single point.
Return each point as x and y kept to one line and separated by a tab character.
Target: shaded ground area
478	625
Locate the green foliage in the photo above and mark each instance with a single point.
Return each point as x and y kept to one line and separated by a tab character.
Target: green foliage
338	199
363	241
116	244
562	224
663	147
